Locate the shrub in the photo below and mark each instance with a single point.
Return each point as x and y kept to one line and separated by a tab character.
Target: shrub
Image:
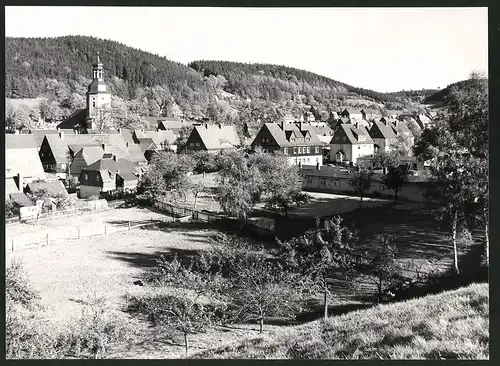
93	198
11	209
92	334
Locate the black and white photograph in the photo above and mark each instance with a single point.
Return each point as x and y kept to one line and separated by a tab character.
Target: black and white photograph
246	183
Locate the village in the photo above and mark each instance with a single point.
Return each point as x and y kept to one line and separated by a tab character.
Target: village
76	157
233	198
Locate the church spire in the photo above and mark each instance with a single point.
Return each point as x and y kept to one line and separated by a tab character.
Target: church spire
97	71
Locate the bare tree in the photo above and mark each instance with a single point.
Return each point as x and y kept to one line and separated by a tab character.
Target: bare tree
361	182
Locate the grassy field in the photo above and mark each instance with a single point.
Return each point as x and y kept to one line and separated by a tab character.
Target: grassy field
451	325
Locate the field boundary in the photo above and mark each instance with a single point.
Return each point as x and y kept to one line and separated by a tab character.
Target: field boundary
28	241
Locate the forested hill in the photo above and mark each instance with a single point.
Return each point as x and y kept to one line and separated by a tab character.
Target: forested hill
58	70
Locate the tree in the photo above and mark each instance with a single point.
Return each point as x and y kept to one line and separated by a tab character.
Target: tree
184	133
319	253
361	182
383	159
395	179
167	173
192	303
17	119
236	187
196	185
402	145
261	288
280	181
381	268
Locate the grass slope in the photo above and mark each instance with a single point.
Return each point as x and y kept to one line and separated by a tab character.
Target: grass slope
450	325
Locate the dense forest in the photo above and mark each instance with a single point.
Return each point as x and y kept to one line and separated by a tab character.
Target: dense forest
58	70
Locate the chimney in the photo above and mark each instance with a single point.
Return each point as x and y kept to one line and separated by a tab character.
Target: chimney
220	126
58	129
396	123
103	147
356	124
317	165
114	158
20	182
282	125
126	143
61	135
119	130
206	126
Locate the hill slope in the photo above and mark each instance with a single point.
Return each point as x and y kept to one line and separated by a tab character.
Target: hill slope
61	66
450	325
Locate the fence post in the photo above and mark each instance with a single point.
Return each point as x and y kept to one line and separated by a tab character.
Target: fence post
78	227
105	229
47	238
12	244
129	226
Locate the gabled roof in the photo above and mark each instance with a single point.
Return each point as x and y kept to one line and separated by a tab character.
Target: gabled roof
353	134
350	110
136	154
385	129
21	141
52	187
78	118
402	127
10	186
147	144
21	199
158	137
344	120
85	157
216	137
126	135
40	134
59	148
21	157
281	136
103	165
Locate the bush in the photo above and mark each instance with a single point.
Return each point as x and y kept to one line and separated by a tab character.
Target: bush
11	209
93	332
93	198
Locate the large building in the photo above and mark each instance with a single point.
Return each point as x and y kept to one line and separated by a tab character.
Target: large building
292	139
212	138
98	99
350	142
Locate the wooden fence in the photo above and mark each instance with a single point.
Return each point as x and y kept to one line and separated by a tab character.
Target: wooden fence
48	237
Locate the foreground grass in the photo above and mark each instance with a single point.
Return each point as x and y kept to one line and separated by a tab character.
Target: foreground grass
450	325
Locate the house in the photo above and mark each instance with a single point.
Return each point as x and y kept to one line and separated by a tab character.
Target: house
40	134
402	129
162	139
354	114
383	134
22	164
83	158
393	113
98	100
350	142
294	140
424	121
336	180
106	175
52	188
212	138
57	151
286	116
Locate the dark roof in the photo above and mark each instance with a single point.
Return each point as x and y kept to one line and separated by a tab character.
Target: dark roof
103	164
147	144
78	118
59	148
385	129
353	134
21	199
52	187
281	136
93	87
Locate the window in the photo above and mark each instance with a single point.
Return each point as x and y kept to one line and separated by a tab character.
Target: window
198	144
63	166
323	181
359	147
336	183
85	176
309	180
191	144
300	150
97	177
295	150
93	103
43	154
317	149
285	151
344	138
308	149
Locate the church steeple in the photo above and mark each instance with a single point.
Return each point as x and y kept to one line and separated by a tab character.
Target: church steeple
97	70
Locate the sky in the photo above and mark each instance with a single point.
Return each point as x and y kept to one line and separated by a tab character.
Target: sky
384	49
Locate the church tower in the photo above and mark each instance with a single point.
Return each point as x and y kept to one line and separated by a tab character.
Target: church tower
98	97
